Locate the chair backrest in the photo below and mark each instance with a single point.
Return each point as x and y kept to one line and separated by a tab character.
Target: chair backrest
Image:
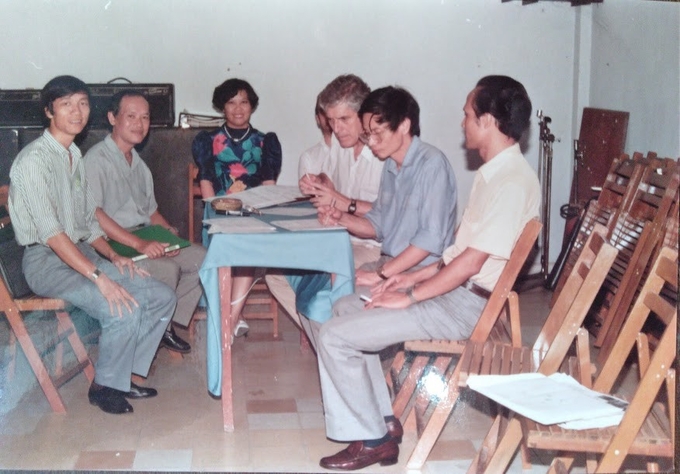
638	234
194	193
11	253
617	193
576	297
506	281
664	274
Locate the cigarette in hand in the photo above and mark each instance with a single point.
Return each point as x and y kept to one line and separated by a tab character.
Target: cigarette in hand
365	298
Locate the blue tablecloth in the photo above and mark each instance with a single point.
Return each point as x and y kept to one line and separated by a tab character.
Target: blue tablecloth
326	251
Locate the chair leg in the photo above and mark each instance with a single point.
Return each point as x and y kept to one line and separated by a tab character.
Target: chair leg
408	386
36	362
392	375
434	427
510	440
76	344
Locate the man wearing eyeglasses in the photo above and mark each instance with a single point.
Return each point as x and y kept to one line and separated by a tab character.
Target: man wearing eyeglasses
414	213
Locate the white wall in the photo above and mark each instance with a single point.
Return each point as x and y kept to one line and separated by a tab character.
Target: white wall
289	50
636	68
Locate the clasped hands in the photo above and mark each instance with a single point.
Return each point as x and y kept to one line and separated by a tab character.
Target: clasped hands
390	293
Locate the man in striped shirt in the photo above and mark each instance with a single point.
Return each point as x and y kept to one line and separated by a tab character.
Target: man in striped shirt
66	255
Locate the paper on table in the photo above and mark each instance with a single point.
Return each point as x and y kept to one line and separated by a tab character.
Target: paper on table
238	225
550	400
290	211
304	224
265	196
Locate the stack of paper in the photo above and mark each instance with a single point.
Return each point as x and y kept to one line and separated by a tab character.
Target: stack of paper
304	224
265	196
557	399
238	225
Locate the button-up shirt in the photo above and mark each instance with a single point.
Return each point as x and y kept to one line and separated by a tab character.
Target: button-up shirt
123	191
505	196
48	194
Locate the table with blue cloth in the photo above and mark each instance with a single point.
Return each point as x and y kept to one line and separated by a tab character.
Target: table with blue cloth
318	253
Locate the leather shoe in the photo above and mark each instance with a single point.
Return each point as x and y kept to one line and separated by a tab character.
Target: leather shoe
395	430
108	399
140	392
358	456
173	342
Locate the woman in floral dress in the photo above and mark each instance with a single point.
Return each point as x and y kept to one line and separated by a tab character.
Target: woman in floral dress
233	158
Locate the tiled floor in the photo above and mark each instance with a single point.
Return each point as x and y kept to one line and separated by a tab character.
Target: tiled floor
279	417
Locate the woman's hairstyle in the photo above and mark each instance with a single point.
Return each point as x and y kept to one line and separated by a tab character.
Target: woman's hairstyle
229	88
61	86
507	101
347	89
392	105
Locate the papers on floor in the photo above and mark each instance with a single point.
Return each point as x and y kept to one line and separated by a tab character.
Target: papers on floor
304	224
238	225
265	196
557	399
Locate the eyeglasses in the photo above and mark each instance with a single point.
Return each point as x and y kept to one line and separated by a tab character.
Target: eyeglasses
376	134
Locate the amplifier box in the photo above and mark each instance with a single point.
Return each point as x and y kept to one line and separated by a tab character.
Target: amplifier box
161	99
20	108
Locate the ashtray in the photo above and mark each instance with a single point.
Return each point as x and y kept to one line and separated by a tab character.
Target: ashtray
227	206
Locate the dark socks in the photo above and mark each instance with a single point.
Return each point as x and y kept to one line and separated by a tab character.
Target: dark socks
373	443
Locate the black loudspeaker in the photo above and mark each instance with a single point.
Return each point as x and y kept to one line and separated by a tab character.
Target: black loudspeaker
161	99
9	149
21	108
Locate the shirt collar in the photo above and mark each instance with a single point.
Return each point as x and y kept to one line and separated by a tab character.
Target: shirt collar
489	169
409	159
113	148
58	147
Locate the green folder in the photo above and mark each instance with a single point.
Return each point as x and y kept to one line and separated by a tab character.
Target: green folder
151	232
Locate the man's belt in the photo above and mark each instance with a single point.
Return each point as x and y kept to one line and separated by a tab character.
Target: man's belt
474	288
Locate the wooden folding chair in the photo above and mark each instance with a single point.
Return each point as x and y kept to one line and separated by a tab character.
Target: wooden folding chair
638	233
648	426
15	299
405	386
616	195
194	193
548	352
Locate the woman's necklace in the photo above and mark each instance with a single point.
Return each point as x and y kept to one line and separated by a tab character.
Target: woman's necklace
236	140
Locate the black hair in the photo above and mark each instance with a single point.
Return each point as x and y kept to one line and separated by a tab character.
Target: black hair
229	88
117	98
507	101
392	105
61	86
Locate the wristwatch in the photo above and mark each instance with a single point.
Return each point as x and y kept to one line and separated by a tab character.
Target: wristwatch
96	273
352	208
380	273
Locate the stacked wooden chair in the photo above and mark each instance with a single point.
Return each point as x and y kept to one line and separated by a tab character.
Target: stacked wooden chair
648	426
16	299
404	376
664	228
636	228
484	354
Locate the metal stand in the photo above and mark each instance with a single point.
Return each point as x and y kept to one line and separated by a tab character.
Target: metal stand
545	175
